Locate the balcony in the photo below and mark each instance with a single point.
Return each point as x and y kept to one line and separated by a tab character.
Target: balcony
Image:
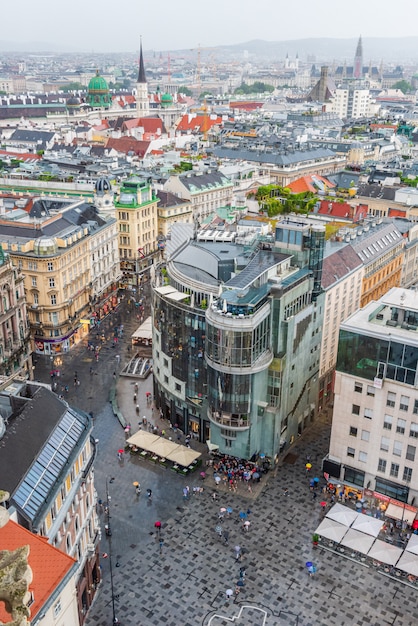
237	421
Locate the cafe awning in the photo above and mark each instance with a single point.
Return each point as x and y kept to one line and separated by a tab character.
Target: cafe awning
331	530
144	331
408	563
163	448
342	514
142	439
366	524
399	512
357	540
212	447
385	552
412	545
183	456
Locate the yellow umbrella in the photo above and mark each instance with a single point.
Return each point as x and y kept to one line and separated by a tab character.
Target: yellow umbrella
308	465
136	484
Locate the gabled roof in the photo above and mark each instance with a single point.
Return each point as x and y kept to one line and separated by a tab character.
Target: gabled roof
34	136
338	265
310	183
168	199
197	123
206	181
128	144
344	210
49	565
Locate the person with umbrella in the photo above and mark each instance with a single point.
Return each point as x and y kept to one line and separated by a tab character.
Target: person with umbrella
237	553
137	487
120	453
308	468
324	505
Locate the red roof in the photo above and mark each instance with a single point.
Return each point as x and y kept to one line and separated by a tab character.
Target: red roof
49	565
343	210
151	124
246	106
396	213
22	156
309	183
128	144
197	123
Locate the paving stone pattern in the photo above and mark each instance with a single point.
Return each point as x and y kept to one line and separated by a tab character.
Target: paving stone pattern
185	583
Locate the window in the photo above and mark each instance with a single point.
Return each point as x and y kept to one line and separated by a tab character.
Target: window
371	390
368	413
407	474
410	453
358	387
415	407
353	431
413	431
178	387
355	409
362	456
52	282
387	422
57	608
365	435
384	444
33	281
397	448
381	466
391	399
404	403
354	476
166	380
165	363
35	298
50	266
53	299
394	470
400	426
351	452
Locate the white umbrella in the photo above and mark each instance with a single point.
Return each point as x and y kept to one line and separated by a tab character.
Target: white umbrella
385	552
357	540
367	524
342	514
408	563
331	530
412	544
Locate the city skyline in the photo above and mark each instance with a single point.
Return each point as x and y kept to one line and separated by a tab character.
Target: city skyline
92	26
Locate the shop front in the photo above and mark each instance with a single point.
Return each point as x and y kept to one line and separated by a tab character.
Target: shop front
58	345
390	507
106	305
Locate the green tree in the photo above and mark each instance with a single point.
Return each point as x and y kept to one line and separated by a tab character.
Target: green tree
72	87
257	87
185	90
403	85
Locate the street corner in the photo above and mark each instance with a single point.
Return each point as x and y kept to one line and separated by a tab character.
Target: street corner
241	615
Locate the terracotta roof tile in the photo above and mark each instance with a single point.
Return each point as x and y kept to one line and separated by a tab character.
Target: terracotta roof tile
49	565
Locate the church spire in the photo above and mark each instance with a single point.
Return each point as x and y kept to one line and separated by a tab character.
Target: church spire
141	71
358	60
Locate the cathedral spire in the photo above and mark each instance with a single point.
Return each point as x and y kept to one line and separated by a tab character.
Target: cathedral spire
358	60
141	71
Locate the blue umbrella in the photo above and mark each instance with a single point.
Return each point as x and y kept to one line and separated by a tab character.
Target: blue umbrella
311	482
262	456
316	480
243	515
229	510
309	564
240	583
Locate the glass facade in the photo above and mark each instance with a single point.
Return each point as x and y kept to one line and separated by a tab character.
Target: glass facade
229	393
370	357
238	348
183	339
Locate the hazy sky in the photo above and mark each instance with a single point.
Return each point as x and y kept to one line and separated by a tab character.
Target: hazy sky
116	25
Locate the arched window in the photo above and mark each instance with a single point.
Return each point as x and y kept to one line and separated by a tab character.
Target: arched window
69	543
77	524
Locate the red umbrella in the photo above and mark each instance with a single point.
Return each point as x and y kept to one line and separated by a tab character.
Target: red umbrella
415	524
121	451
323	504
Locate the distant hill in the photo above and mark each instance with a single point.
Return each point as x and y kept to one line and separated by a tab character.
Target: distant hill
395	50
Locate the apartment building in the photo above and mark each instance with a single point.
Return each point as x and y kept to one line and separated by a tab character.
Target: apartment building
373	446
46	465
70	267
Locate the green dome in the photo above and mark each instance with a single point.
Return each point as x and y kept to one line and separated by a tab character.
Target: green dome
98	84
98	93
166	99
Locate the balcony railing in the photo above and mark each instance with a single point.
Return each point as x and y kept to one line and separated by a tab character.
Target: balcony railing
230	420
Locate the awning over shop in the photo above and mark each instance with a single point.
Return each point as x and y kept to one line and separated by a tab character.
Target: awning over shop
342	514
385	552
212	447
331	530
408	563
358	541
399	512
144	331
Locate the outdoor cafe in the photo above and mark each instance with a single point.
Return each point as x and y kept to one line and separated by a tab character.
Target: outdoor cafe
164	452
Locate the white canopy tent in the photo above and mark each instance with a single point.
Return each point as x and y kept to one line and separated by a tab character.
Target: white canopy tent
412	545
144	331
408	563
331	530
342	514
385	552
367	524
357	540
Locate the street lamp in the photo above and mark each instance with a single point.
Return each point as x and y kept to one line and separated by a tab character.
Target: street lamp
108	532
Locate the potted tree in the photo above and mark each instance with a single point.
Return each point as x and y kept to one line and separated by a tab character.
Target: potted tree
315	539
